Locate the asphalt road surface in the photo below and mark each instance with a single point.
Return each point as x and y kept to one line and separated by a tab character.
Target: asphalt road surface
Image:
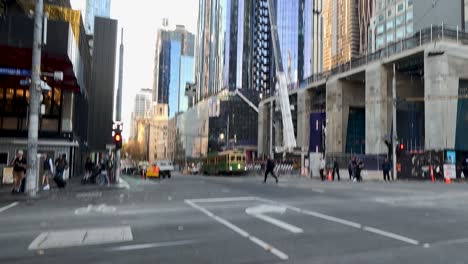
198	219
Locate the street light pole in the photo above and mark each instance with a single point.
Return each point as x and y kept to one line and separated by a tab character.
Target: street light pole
394	139
118	115
33	124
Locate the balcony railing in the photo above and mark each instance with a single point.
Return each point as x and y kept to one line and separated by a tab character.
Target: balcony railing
424	36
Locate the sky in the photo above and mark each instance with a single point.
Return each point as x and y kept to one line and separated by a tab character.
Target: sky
141	19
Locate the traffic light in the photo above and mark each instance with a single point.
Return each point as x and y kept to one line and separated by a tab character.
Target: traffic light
402	146
117	128
118	140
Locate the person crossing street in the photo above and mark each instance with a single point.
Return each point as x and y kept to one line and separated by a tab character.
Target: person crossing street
270	166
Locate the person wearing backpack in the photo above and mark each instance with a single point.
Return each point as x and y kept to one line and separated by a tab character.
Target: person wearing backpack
48	167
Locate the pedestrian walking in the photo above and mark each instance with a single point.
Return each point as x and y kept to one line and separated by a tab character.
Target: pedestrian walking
61	165
359	168
48	167
19	171
322	168
350	169
336	169
386	170
270	166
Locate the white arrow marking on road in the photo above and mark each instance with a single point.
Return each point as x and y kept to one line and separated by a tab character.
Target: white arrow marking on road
260	211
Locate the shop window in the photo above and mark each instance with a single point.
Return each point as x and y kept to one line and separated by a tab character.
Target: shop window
9	100
47	101
3	158
56	102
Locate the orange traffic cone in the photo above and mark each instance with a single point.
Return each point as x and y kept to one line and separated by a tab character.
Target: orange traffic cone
329	175
448	180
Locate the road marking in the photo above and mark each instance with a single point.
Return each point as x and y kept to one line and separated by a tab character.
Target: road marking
123	183
260	211
224	199
81	237
153	245
346	222
391	235
3	209
102	208
238	230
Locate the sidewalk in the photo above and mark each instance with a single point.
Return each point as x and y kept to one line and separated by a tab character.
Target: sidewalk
73	187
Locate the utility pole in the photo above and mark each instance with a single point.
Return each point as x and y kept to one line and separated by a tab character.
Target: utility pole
34	94
118	106
395	137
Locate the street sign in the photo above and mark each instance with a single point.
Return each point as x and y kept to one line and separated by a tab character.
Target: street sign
15	72
260	211
25	82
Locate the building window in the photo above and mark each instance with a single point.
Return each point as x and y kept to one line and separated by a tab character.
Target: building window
389	24
380	42
410	3
400	33
390	37
380	28
400	8
400	20
389	13
381	17
409	29
409	15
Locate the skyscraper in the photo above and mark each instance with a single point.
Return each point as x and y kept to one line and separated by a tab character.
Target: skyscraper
173	48
95	8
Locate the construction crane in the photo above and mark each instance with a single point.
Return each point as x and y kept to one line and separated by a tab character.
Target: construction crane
289	140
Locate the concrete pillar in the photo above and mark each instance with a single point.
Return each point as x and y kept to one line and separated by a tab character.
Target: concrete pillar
303	119
378	108
440	83
334	106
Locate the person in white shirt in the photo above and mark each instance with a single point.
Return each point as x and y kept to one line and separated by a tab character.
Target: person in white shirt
322	169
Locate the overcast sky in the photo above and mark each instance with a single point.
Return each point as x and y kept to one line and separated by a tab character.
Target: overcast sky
141	20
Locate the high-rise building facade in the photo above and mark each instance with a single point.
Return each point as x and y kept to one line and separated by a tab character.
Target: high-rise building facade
395	20
186	75
143	103
341	32
95	8
173	48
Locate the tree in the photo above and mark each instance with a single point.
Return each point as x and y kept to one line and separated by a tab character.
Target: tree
134	150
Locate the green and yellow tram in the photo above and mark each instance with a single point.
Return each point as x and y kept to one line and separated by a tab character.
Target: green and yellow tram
224	163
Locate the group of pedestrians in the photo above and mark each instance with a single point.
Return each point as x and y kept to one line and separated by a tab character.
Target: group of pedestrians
50	169
355	167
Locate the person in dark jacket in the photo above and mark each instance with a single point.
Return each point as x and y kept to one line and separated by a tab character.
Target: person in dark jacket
336	169
386	170
359	168
19	171
270	166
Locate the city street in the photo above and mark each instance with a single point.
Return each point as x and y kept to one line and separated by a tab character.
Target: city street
200	219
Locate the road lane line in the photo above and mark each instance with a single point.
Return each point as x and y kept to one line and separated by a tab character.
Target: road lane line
391	235
152	245
3	209
240	231
332	219
268	248
223	199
